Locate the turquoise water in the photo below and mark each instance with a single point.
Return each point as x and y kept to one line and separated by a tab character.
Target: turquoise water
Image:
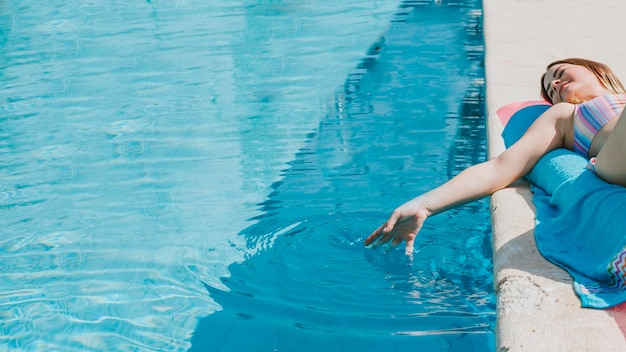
200	175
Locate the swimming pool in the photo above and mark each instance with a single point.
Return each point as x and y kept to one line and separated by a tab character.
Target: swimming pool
184	175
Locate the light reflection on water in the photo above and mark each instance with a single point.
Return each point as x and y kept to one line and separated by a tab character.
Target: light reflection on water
132	153
137	138
408	118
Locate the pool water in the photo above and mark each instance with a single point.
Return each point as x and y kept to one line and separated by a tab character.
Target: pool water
200	175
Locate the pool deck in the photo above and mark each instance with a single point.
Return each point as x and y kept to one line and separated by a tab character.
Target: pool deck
537	308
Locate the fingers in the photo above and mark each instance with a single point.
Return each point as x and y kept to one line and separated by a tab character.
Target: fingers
391	222
379	237
386	237
408	249
406	230
382	233
375	235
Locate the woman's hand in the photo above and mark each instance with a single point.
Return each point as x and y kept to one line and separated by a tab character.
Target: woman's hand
403	225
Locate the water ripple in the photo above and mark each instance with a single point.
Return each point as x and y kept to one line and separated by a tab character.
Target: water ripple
136	139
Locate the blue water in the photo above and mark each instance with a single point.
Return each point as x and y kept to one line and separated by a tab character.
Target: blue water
200	175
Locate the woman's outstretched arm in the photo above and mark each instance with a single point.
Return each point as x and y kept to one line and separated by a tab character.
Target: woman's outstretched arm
475	182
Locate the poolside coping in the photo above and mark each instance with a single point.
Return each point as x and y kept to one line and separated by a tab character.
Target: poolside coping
537	309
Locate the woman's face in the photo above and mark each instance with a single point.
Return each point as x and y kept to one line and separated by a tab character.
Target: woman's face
572	84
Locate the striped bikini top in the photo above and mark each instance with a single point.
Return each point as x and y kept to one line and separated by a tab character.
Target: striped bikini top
591	116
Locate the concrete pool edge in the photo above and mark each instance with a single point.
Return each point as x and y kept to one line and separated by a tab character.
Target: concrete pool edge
537	309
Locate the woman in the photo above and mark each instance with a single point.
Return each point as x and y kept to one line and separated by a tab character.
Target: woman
588	101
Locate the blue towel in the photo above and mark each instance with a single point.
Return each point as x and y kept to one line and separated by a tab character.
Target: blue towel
580	219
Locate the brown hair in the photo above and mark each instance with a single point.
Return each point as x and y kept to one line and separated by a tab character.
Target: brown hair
604	74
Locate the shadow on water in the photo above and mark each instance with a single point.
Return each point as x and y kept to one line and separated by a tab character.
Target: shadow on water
409	116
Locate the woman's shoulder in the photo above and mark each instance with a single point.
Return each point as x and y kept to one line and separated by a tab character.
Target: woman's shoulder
563	107
560	112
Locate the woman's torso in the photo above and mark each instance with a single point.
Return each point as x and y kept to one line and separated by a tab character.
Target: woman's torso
593	121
